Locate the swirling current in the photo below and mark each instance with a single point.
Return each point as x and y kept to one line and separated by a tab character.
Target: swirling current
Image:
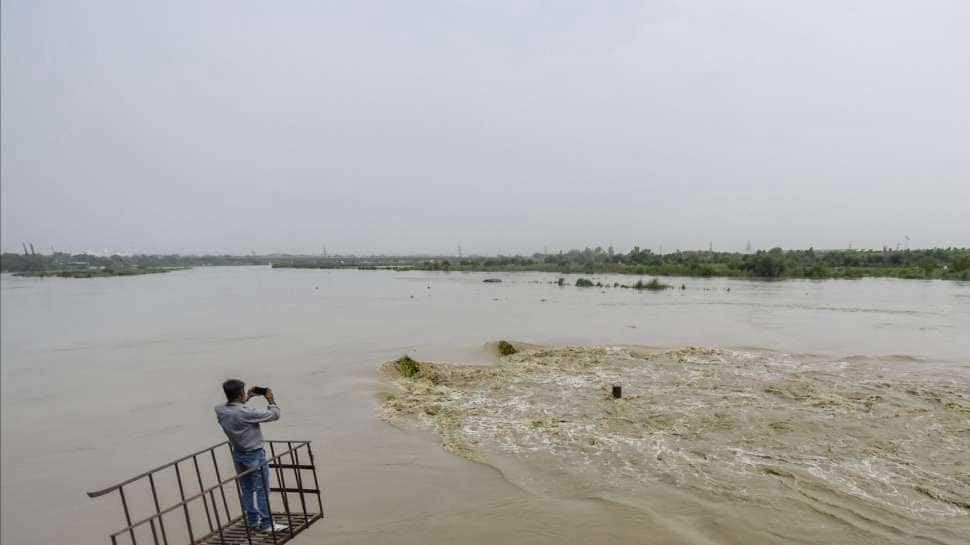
729	445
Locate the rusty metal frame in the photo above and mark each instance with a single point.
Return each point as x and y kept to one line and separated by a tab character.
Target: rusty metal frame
221	526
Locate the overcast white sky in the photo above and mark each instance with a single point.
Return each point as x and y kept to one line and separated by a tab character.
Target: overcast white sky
413	127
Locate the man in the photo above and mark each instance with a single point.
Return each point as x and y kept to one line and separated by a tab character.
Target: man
241	424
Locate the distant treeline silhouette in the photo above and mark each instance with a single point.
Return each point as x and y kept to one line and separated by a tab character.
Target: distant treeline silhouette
946	263
935	263
62	261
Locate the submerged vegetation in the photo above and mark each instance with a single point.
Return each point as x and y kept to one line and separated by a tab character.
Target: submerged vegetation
653	284
505	348
776	263
407	366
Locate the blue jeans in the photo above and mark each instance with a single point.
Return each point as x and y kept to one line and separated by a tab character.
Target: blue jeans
254	484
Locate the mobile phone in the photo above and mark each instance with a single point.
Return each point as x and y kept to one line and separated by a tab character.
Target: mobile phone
259	390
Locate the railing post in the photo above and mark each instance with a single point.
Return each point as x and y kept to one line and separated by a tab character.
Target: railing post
151	523
124	504
222	491
198	474
295	458
316	482
158	509
185	507
282	483
215	509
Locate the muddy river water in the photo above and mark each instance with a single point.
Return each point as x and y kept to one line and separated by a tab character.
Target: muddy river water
753	412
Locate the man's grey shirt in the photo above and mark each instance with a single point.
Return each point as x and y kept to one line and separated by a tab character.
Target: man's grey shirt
241	424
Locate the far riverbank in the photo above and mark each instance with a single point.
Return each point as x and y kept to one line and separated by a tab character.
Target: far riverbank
98	273
774	264
920	264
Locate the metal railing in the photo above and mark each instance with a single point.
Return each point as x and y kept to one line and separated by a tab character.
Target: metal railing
224	527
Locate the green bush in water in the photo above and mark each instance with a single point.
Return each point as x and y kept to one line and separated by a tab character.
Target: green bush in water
407	366
584	283
653	284
505	348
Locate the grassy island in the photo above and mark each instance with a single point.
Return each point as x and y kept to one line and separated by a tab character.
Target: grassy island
98	273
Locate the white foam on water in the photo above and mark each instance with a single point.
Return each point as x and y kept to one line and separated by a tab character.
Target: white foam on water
727	422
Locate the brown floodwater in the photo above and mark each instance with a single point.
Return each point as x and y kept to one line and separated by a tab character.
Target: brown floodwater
813	411
773	446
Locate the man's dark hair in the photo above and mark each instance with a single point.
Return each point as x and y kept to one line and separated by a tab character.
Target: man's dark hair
233	387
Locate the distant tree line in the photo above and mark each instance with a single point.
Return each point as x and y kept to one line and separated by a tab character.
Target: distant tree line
942	263
62	261
945	263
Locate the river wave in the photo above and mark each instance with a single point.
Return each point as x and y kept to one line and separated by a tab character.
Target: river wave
861	449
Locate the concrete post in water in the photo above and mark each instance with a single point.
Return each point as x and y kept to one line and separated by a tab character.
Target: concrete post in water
617	391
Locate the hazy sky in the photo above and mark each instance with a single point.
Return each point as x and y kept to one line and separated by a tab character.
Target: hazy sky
501	126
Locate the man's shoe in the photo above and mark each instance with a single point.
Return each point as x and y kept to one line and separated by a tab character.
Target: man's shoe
274	528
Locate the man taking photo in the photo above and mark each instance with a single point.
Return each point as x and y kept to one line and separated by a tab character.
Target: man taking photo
241	424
